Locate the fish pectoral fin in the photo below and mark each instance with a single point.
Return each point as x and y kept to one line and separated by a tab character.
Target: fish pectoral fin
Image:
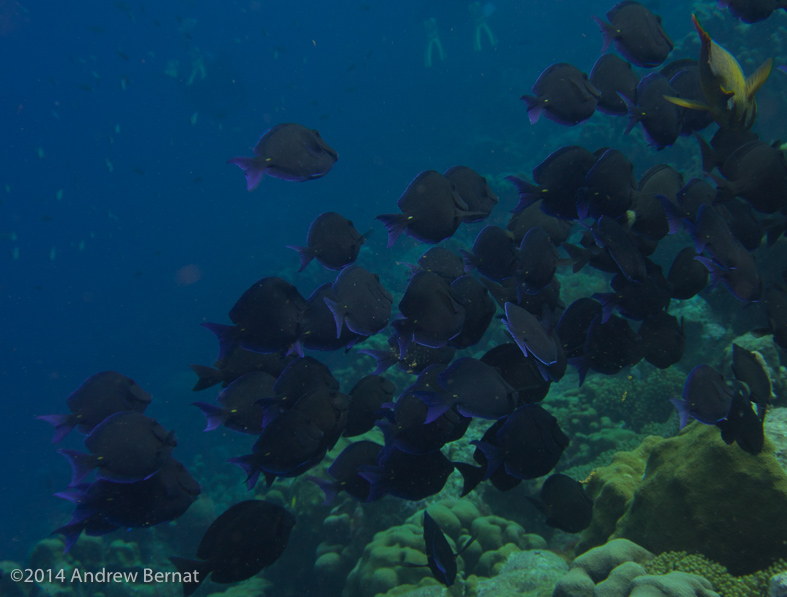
755	80
687	103
727	94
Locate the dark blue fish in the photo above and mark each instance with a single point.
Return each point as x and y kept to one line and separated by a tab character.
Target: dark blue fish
474	191
288	151
610	235
637	34
415	359
163	497
562	93
663	339
246	538
432	210
345	471
537	261
98	397
411	477
440	558
557	180
431	314
742	425
706	397
612	75
529	444
268	317
332	240
530	334
319	324
479	311
518	371
367	397
610	184
239	407
440	260
660	118
473	387
362	303
494	254
237	362
126	447
565	504
749	367
687	275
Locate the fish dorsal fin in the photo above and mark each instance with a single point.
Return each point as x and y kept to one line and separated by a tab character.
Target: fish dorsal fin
704	37
755	80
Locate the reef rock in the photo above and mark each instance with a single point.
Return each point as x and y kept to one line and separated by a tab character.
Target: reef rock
697	495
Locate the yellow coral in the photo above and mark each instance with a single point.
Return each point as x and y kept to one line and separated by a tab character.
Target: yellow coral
724	583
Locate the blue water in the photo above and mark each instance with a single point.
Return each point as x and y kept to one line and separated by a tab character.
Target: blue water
114	177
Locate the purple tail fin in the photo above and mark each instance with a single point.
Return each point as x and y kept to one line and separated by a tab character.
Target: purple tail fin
494	457
395	225
438	403
71	533
535	107
226	336
81	464
208	377
249	467
329	488
185	566
607	33
528	193
215	415
305	253
385	359
252	168
63	425
683	410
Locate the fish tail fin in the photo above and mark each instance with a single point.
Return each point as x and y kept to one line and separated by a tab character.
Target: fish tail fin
608	304
634	116
404	335
253	168
674	217
716	271
471	261
71	533
582	367
305	253
535	107
215	415
494	457
338	313
694	233
249	467
395	225
329	488
471	476
225	334
578	255
63	425
683	410
755	80
725	190
438	403
81	464
385	359
528	193
607	33
184	566
374	476
208	377
708	154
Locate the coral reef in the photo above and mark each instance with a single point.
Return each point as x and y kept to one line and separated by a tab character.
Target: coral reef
695	494
639	398
597	565
383	564
612	489
724	583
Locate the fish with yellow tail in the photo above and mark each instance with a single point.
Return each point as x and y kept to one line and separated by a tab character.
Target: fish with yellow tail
729	94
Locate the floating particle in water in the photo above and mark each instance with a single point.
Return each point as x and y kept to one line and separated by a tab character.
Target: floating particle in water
59	194
52	254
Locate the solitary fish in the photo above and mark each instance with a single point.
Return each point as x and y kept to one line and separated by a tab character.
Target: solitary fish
288	151
729	95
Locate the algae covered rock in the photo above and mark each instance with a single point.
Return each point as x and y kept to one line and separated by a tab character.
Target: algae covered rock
612	488
701	495
674	584
598	565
